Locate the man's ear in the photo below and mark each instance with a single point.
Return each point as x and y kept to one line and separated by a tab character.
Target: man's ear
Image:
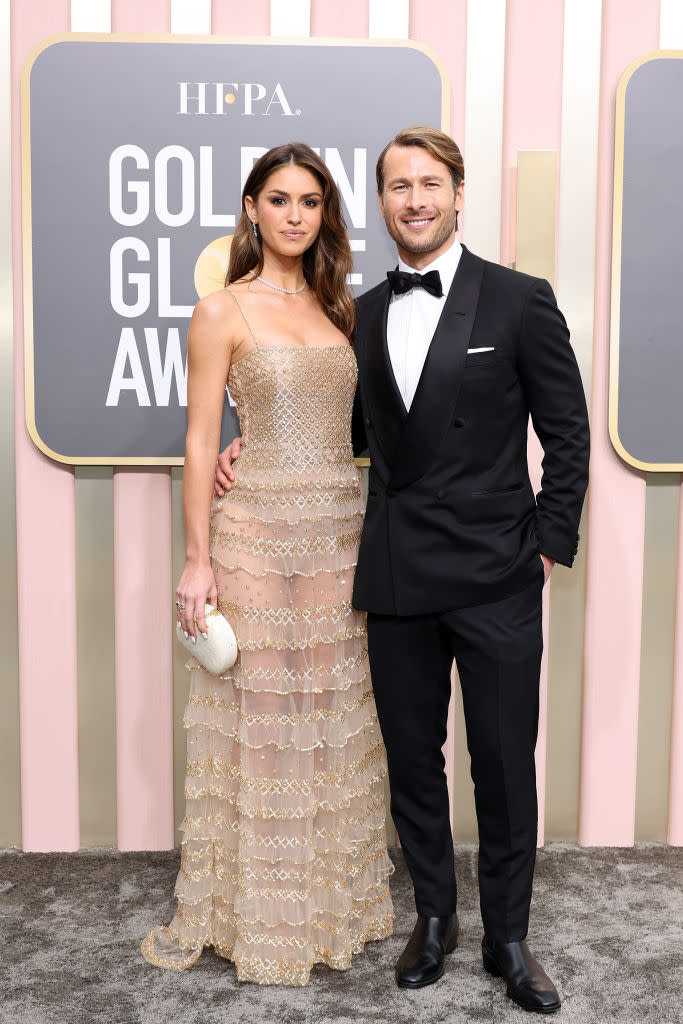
381	204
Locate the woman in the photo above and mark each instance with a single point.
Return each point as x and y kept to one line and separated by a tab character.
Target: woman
284	860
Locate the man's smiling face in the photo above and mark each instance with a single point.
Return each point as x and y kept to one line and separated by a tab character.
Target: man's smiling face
419	203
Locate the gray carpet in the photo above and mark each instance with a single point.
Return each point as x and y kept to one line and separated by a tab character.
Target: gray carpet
606	924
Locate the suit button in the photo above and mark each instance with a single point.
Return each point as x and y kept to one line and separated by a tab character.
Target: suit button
441	494
458	422
368	420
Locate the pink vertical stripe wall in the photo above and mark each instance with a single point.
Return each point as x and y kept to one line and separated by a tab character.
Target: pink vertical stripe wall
532	119
150	16
532	110
237	18
442	26
350	20
616	512
45	550
143	653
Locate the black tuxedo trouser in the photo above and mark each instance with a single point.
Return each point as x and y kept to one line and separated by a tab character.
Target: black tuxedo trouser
497	648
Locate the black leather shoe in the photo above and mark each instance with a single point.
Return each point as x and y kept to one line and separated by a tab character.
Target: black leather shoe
528	984
422	961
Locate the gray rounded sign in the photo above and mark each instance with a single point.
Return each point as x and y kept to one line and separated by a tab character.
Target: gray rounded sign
135	152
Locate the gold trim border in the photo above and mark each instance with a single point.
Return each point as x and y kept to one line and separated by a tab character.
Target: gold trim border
617	217
27	227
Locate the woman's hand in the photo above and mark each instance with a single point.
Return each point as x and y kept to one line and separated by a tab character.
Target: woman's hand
196	588
224	475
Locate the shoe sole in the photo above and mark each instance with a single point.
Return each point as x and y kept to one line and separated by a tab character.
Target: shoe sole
450	948
420	984
491	968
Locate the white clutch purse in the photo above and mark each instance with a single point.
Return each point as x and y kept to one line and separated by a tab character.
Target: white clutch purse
218	652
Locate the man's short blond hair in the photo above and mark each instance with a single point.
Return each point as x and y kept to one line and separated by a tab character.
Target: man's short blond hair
441	146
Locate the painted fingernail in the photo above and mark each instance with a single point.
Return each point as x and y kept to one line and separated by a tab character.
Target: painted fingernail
186	633
194	639
205	635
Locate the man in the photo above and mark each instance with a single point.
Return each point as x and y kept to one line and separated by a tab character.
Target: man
454	354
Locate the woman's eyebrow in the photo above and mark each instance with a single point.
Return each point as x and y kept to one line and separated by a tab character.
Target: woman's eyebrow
305	195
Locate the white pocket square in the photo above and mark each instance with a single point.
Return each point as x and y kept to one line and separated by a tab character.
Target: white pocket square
491	348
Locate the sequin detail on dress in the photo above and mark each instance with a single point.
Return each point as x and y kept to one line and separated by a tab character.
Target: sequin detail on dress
284	860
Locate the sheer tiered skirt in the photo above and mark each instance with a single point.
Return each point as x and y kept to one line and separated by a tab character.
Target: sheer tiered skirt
284	860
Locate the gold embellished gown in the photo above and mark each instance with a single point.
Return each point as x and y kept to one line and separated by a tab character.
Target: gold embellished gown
284	861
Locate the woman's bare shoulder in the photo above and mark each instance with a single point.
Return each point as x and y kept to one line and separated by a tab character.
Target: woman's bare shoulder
214	324
215	306
219	320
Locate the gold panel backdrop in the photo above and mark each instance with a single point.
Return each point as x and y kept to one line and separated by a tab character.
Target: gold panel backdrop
95	652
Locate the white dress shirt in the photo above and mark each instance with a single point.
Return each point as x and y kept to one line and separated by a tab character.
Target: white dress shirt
412	321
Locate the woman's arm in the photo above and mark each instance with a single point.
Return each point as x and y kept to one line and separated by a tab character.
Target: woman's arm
209	350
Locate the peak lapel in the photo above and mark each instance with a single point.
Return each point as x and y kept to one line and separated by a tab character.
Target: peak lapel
433	407
384	400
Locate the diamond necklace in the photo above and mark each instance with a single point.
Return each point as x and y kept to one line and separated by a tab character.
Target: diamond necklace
276	287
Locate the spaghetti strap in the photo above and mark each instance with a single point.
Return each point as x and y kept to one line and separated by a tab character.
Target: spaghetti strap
244	317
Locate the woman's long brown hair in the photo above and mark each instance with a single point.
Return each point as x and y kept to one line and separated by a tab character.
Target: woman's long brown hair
327	262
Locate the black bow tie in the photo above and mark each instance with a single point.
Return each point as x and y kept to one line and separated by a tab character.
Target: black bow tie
401	282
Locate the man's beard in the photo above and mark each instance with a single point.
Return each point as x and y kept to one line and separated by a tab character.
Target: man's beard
427	244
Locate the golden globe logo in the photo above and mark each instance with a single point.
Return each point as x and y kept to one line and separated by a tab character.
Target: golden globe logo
249	98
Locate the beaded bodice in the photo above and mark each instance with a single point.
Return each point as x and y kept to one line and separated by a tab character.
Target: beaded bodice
294	406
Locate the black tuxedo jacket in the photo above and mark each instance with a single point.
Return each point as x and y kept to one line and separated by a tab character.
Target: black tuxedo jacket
452	519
